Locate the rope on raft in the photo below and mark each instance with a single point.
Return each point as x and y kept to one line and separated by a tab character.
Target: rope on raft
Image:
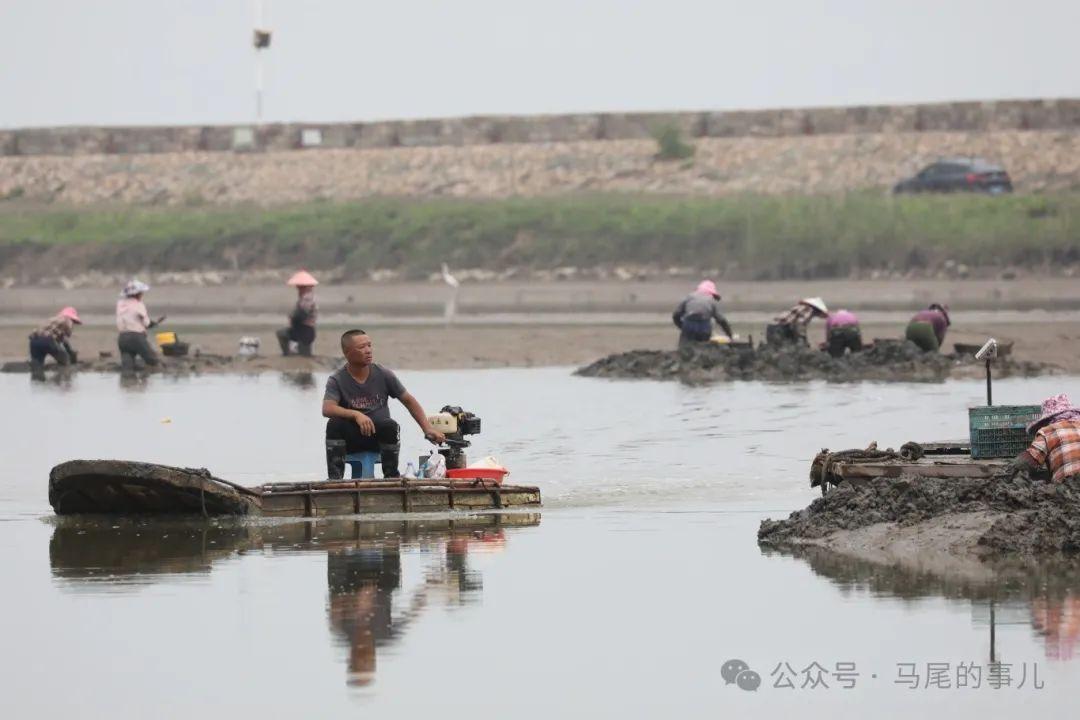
909	451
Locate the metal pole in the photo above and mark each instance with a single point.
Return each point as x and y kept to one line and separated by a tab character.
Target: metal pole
258	87
989	391
993	634
259	25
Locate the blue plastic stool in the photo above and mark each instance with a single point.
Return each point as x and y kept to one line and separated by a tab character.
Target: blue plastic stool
363	464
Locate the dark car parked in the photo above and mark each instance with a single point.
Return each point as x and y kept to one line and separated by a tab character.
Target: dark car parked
958	175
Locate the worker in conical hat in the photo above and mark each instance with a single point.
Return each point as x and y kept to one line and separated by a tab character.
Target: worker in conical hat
695	315
301	329
790	328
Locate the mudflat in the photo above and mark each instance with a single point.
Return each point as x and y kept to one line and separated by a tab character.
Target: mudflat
524	324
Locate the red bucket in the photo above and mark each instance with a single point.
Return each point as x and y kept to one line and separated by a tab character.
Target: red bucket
496	474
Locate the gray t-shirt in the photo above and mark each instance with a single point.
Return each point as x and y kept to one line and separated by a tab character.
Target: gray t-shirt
371	397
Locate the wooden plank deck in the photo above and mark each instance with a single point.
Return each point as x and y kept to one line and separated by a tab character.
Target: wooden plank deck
120	487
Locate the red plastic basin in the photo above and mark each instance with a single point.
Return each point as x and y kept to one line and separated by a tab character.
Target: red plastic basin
477	474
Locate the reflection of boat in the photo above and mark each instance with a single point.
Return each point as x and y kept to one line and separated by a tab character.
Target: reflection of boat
132	488
370	605
123	550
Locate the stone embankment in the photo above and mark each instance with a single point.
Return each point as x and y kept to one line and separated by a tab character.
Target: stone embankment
1038	161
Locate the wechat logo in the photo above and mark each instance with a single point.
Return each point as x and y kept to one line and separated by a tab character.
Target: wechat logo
739	673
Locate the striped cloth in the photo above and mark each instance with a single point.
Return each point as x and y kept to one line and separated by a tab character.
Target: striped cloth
58	328
1057	446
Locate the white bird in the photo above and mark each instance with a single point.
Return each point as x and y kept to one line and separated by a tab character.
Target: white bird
450	309
448	278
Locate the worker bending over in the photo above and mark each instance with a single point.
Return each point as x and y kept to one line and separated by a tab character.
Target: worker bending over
1056	446
927	327
842	333
695	315
54	339
790	328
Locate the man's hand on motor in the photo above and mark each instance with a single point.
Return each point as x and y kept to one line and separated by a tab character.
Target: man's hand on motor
367	427
435	436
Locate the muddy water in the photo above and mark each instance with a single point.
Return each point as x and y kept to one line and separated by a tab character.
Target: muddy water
625	598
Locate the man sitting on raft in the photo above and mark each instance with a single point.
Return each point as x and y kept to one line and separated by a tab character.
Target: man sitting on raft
356	404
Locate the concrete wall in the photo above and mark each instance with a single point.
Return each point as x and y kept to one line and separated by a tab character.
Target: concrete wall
945	117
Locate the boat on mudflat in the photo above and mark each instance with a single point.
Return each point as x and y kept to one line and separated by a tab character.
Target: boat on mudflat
121	487
928	460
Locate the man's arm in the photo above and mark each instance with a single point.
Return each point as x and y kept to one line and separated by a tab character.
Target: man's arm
331	409
1022	463
1031	459
677	316
418	414
723	323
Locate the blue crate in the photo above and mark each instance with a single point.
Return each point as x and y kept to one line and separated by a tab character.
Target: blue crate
1000	431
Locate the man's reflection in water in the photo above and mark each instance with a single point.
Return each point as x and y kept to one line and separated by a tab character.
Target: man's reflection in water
59	376
372	602
133	381
363	581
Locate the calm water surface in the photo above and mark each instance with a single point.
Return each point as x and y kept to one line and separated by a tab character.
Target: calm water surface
625	597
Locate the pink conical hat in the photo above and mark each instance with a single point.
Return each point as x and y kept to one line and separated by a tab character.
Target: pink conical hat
1057	407
707	287
70	313
303	279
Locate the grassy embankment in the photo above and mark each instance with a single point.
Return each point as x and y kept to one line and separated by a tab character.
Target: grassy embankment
751	236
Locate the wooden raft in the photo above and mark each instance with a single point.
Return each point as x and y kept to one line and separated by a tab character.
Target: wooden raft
118	487
939	460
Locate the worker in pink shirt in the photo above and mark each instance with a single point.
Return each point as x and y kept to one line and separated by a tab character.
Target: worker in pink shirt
842	333
132	321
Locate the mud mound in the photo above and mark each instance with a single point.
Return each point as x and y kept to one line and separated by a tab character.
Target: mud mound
1024	516
193	365
889	360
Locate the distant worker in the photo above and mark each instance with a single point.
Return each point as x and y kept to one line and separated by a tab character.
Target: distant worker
133	320
695	314
54	339
790	328
1056	446
302	319
842	333
357	406
927	328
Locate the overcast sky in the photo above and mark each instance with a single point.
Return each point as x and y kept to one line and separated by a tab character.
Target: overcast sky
148	62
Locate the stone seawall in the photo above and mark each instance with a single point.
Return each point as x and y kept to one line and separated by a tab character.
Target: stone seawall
989	116
1038	160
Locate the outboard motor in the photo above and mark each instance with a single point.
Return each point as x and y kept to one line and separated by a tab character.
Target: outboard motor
455	424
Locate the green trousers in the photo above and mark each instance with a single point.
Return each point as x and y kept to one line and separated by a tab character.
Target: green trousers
922	334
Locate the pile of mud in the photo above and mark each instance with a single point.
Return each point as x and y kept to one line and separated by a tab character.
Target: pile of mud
975	517
192	365
899	361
